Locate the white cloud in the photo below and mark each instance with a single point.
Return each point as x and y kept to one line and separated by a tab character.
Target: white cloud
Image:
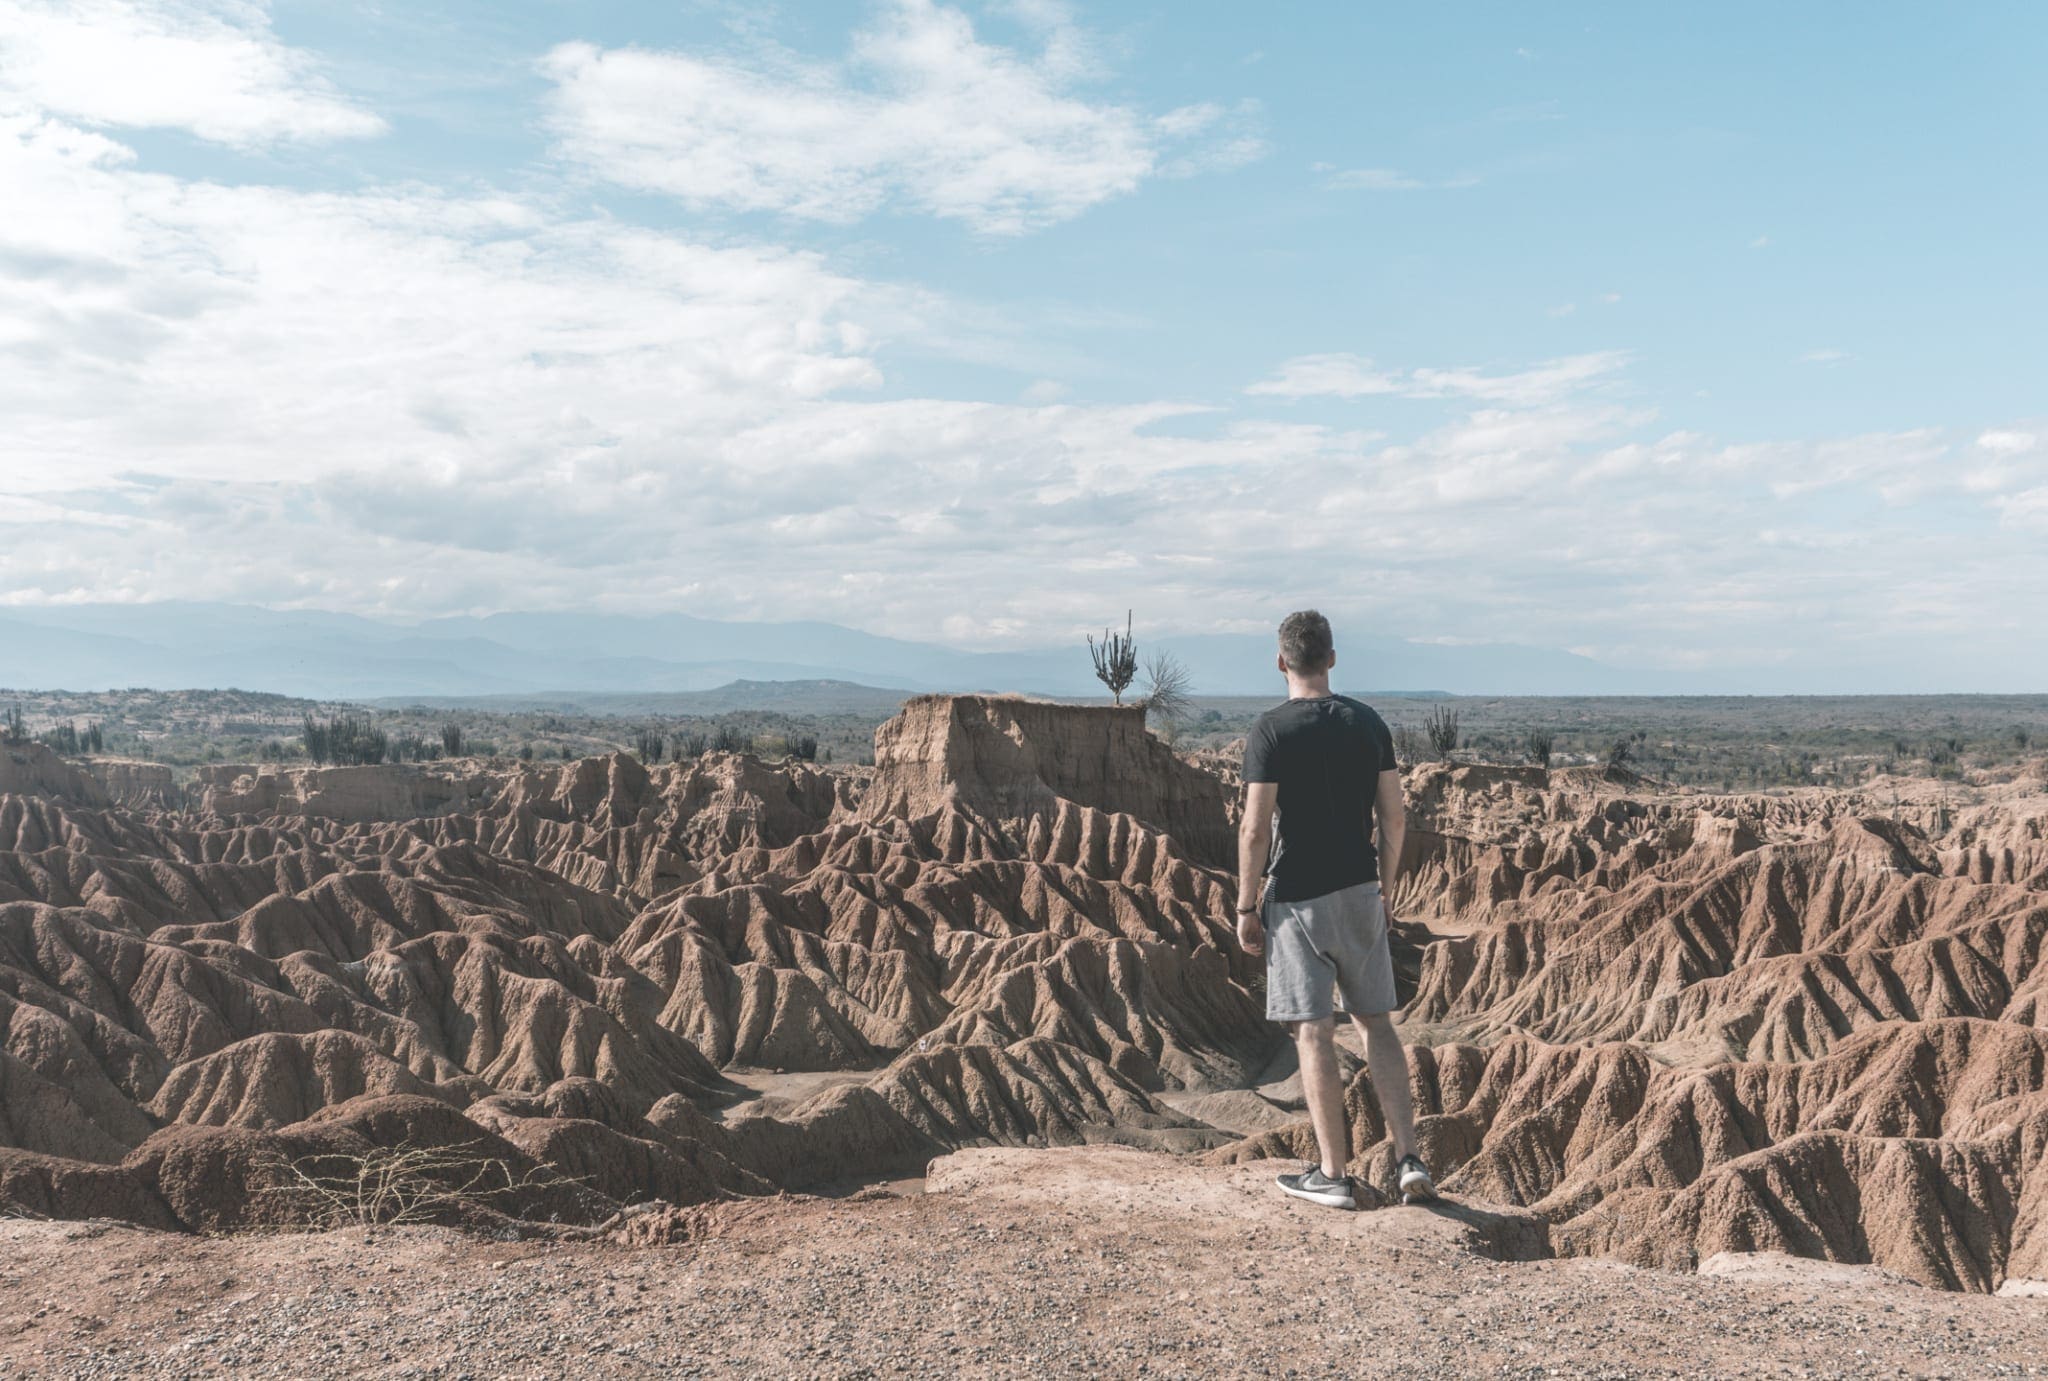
203	332
1354	376
213	69
415	402
1760	242
2008	443
2006	460
1387	180
1824	355
922	115
2027	510
1898	467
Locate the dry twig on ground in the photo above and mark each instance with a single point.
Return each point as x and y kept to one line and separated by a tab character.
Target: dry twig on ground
402	1184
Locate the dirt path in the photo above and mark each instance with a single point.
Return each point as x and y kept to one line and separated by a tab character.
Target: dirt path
1101	1262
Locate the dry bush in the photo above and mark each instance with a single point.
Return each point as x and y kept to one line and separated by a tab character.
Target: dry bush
397	1185
1539	745
1168	690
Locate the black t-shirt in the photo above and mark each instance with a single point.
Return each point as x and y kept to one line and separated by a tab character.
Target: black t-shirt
1327	754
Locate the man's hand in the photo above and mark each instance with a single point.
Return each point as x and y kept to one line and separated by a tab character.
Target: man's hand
1254	846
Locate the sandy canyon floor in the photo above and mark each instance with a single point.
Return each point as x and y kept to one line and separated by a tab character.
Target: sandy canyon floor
489	1070
1094	1261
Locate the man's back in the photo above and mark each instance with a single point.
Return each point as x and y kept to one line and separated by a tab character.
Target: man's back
1326	754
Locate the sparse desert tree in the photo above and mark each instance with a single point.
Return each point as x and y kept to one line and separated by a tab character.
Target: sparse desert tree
2021	737
728	739
649	746
314	735
63	738
1538	744
345	740
804	746
1442	728
1407	744
1621	752
412	748
355	742
688	745
526	752
1168	689
1116	659
451	740
13	729
94	739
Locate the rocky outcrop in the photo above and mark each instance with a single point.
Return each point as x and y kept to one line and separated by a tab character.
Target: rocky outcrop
31	769
1012	759
139	785
386	791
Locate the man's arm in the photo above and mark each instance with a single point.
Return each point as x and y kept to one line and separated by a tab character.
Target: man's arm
1254	843
1391	809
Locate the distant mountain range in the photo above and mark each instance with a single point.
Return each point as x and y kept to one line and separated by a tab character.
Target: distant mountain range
175	645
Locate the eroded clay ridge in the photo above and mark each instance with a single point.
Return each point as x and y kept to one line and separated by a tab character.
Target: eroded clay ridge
997	937
1676	1025
1669	1024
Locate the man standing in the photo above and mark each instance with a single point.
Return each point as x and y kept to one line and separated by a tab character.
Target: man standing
1309	896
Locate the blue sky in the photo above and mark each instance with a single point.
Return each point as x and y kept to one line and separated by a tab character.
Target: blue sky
1702	338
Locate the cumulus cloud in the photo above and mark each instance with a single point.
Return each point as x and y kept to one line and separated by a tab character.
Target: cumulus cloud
215	70
411	401
922	115
1354	376
230	333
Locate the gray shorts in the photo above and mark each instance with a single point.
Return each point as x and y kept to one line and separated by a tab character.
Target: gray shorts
1337	941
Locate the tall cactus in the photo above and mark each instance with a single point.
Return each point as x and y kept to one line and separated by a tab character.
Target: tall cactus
1116	659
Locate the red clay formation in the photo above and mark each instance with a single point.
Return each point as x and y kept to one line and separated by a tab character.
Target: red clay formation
1650	1026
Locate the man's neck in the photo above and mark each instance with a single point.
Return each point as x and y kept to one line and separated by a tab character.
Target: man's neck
1316	688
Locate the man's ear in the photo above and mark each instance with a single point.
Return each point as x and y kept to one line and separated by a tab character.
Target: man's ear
1333	660
1280	661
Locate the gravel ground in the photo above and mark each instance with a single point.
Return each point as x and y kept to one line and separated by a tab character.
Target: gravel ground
1099	1262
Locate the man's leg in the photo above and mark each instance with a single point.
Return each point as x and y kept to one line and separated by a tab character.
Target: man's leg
1315	1042
1389	1066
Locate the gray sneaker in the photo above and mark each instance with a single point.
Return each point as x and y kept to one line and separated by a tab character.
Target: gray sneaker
1312	1184
1416	1185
